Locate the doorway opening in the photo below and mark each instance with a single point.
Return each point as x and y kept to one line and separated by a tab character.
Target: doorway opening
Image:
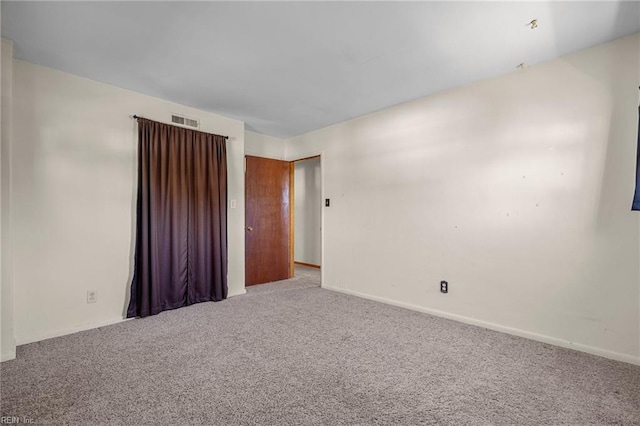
306	229
283	220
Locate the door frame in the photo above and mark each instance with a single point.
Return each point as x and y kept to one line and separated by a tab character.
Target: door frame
292	213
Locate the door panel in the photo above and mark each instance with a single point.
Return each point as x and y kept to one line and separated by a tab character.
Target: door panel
267	220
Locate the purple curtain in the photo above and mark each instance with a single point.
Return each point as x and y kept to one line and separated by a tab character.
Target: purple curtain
181	230
636	195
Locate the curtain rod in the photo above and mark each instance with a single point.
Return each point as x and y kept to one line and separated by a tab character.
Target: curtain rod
137	116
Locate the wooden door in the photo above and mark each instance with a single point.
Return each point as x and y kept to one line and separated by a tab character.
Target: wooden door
267	220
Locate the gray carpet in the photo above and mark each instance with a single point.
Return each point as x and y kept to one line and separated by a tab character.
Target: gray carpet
291	353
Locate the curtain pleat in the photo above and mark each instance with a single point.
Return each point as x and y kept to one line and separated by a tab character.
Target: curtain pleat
208	198
636	196
181	231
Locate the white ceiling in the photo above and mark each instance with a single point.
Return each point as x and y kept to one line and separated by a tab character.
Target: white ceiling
287	68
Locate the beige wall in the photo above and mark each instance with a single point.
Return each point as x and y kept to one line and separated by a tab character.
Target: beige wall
259	145
517	190
74	186
7	341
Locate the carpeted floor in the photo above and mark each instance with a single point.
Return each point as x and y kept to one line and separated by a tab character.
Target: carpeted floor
291	353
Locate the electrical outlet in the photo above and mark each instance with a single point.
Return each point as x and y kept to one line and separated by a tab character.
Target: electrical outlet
444	287
92	296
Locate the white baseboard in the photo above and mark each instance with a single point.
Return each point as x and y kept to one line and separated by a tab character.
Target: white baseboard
497	327
23	340
8	356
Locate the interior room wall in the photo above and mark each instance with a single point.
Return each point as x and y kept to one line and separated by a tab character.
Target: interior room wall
7	340
260	145
307	211
74	186
516	190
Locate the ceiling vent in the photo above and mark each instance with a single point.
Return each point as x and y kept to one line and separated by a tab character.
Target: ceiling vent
185	121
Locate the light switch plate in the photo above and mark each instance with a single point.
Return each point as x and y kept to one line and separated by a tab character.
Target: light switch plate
232	204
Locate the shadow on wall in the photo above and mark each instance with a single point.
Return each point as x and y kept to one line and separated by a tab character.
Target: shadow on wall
612	109
618	158
611	76
609	109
